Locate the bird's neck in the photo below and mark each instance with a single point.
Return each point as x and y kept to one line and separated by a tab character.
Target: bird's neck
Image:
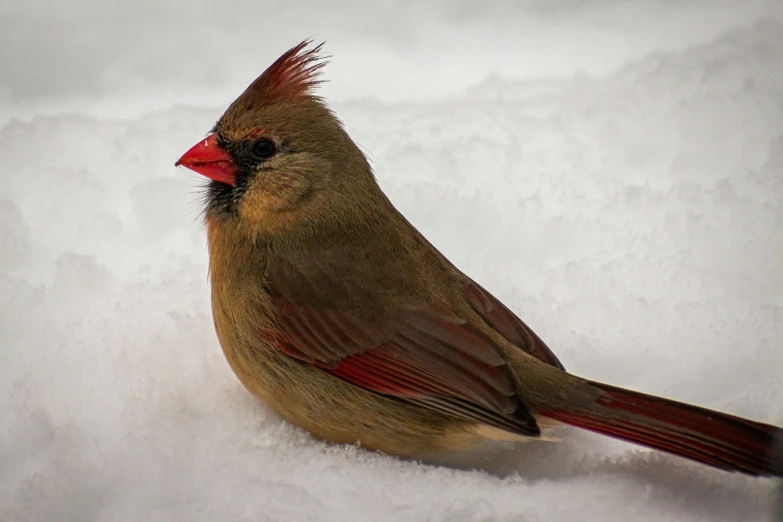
238	246
233	254
328	263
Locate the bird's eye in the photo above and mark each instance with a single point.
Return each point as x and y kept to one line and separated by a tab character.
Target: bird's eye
264	149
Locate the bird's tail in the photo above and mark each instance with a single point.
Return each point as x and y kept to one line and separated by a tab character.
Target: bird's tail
717	439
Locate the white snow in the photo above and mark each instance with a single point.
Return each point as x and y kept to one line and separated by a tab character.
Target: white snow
626	199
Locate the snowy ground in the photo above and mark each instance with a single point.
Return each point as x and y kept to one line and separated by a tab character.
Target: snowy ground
631	213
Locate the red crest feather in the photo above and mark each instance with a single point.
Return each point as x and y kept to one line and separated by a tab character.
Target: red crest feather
292	76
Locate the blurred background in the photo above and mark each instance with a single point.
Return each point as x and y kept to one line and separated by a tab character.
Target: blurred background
611	170
127	56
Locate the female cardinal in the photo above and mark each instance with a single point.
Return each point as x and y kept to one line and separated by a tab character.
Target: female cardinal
332	308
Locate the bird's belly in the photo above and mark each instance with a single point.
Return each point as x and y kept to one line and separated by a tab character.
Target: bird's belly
336	411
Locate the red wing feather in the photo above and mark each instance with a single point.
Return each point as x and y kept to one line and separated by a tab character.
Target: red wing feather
428	357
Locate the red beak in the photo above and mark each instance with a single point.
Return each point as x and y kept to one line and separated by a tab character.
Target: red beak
209	159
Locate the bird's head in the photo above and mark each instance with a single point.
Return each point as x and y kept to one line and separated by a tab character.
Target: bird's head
278	156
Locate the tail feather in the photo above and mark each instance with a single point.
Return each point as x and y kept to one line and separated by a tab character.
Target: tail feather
718	439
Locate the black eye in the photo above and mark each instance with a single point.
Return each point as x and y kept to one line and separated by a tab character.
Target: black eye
264	149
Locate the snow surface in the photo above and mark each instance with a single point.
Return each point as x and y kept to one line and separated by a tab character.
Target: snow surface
631	213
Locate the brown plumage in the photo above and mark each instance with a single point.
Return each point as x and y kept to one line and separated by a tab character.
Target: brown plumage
339	314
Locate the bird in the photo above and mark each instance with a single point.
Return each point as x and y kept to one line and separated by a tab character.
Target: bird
334	310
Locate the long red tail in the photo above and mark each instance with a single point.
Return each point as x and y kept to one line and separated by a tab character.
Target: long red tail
714	438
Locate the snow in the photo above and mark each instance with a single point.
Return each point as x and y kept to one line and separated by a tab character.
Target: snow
624	197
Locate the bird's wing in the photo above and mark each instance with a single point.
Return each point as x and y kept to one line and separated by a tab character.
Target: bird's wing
503	320
429	356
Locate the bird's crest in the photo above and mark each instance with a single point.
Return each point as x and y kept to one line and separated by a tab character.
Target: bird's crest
293	76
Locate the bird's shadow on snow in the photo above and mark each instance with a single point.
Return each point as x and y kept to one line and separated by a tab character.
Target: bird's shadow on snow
713	494
589	460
